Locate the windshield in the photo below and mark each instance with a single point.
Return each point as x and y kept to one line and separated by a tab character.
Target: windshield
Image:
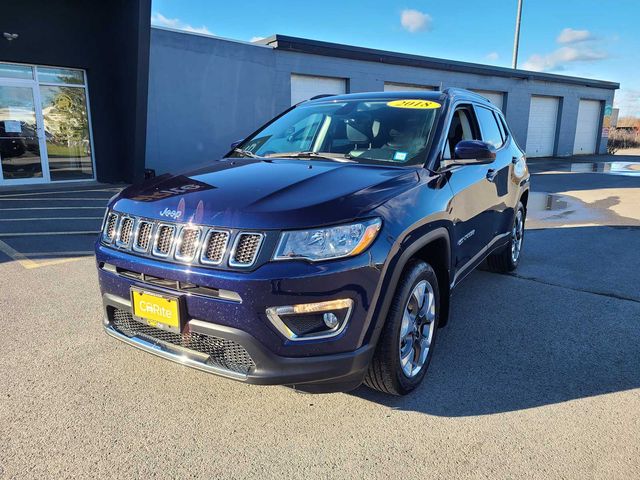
393	131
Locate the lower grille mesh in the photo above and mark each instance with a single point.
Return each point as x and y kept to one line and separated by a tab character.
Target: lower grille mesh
222	353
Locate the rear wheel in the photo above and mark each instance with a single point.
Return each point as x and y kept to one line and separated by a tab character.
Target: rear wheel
408	337
507	259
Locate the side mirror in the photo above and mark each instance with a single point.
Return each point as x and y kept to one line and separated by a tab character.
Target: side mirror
473	151
235	144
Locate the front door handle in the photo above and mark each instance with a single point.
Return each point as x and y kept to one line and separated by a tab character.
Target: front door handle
491	174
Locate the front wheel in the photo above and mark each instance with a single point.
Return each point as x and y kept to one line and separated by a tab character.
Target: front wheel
408	336
507	259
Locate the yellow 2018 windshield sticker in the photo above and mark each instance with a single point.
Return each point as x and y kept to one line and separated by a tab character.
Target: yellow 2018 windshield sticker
411	103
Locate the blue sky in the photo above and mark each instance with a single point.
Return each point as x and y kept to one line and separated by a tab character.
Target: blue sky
589	38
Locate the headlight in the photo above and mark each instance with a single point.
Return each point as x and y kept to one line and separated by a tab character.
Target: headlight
328	243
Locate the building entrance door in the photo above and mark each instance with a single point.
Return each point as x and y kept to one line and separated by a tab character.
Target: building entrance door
22	142
45	126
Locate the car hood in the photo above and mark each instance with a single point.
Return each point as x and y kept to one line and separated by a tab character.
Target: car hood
273	194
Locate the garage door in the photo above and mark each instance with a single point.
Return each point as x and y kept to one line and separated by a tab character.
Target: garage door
406	87
303	87
587	127
497	98
541	132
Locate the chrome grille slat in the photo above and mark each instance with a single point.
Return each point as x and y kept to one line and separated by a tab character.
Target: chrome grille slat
245	250
214	247
125	231
110	227
142	238
188	244
164	239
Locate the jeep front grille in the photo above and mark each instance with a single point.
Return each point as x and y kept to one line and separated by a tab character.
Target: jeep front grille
182	242
246	249
221	353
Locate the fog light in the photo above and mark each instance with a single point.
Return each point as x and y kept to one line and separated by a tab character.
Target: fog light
330	320
308	321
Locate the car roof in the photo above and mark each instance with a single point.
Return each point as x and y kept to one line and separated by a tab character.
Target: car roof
450	93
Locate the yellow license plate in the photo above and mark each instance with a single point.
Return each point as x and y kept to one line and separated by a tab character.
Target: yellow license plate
156	310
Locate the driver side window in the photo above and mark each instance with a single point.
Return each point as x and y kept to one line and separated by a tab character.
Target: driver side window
463	127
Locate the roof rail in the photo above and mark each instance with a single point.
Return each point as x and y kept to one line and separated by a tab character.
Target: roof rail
322	95
464	91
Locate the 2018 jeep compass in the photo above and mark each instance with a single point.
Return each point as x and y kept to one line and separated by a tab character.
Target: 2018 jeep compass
321	252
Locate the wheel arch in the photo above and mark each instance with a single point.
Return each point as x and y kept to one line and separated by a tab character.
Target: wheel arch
421	248
437	253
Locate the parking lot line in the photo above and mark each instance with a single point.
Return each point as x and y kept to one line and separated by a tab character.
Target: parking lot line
29	194
27	263
72	253
40	234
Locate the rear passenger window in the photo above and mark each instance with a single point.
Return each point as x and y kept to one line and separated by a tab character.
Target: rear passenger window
491	132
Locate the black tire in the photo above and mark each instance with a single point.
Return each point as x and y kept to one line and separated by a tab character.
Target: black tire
385	372
503	260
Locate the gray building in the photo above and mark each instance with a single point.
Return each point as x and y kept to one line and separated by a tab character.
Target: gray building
205	92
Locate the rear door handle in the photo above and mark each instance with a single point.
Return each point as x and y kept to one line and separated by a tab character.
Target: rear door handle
491	174
515	160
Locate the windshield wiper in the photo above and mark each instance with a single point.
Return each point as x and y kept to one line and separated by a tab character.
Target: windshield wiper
309	154
245	153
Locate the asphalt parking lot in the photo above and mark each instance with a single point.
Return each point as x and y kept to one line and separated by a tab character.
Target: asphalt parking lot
537	374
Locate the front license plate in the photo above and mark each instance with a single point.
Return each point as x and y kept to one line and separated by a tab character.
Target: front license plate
157	310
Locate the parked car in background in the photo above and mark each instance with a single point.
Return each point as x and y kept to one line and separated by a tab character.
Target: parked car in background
322	251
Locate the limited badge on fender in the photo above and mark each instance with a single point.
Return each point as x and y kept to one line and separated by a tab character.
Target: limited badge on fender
414	103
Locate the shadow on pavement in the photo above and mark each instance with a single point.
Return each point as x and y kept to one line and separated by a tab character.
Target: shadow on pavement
515	343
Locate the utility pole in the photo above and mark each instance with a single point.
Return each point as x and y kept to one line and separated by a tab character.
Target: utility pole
516	40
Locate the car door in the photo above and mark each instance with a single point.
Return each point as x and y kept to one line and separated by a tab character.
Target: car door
473	194
499	173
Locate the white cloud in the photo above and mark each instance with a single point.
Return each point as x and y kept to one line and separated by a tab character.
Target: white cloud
414	20
628	101
558	59
569	35
257	39
492	57
576	46
161	21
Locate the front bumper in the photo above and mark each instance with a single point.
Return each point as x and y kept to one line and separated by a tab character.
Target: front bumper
333	364
318	374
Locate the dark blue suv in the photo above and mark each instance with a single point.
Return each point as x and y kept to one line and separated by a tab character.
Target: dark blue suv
322	251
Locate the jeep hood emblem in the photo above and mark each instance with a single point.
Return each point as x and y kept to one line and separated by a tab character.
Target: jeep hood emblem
175	214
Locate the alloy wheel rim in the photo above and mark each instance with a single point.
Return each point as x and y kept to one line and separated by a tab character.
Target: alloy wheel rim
416	330
517	234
